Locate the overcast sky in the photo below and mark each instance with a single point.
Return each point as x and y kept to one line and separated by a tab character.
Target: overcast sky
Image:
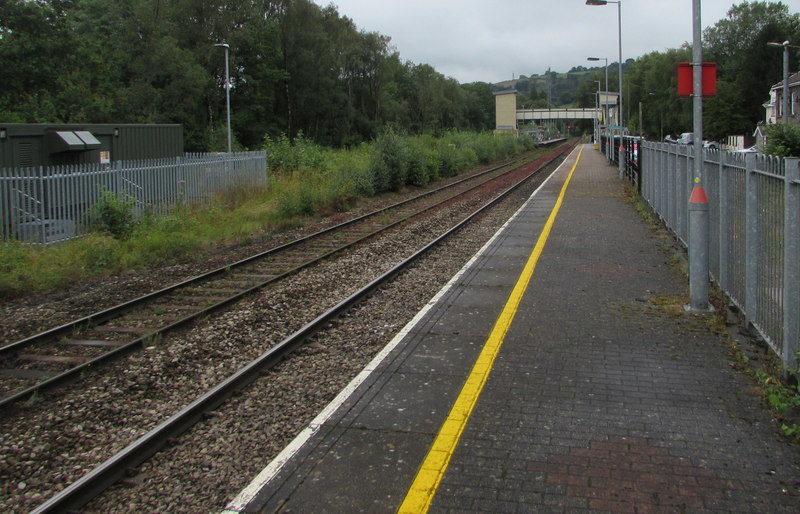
489	40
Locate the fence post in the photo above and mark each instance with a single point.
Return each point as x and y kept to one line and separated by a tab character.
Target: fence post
697	240
680	193
791	265
723	222
666	172
644	164
40	191
751	239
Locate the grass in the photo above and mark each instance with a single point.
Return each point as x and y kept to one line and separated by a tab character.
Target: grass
305	180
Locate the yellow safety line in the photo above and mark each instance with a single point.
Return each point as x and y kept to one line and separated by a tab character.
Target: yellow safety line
420	494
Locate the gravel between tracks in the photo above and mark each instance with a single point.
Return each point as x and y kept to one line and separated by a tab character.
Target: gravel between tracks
56	441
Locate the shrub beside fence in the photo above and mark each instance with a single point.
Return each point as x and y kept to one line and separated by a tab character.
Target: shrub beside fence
754	243
50	204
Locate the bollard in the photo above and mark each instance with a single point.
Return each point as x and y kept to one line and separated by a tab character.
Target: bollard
698	249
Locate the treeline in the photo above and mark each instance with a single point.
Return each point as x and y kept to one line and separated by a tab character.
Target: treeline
746	70
295	68
556	89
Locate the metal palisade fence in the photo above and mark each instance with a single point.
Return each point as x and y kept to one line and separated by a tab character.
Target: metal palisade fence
50	204
754	243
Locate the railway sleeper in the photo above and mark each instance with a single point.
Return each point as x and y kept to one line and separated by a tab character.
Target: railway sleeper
58	359
173	307
123	330
255	276
92	343
203	300
160	319
210	290
27	374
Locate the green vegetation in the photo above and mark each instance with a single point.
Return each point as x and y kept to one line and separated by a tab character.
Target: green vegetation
783	140
305	180
746	70
295	67
784	400
113	215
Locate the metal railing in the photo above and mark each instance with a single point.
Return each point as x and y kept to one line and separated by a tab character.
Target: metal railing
610	144
754	234
51	204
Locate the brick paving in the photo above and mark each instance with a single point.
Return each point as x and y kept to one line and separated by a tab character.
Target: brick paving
602	399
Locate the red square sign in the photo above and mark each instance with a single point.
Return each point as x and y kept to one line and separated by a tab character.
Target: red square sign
686	79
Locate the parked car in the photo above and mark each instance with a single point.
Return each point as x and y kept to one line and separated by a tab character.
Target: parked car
752	149
687	138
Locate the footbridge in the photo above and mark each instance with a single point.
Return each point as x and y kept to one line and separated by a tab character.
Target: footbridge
556	114
508	117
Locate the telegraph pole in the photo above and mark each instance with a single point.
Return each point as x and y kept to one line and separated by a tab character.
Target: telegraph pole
698	201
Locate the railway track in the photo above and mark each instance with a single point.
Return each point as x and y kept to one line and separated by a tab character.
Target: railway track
121	464
38	363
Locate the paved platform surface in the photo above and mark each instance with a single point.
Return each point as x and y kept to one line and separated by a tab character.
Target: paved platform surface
603	397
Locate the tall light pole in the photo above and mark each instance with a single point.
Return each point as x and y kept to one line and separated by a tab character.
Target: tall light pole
660	118
601	59
785	93
698	200
597	115
226	46
619	20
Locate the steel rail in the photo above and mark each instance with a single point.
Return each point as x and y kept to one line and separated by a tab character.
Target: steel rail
111	312
106	474
70	374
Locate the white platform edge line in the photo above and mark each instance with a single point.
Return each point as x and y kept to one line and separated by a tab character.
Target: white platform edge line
273	468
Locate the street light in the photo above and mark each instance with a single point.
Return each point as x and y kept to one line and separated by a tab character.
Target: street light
226	46
785	93
597	115
601	59
598	94
619	20
660	118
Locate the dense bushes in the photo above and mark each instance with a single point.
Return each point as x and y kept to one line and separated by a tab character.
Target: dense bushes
113	215
393	162
304	180
783	140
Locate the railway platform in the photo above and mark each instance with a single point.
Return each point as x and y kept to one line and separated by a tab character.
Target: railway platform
557	372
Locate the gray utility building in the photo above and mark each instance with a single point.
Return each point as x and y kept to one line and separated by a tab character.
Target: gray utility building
24	145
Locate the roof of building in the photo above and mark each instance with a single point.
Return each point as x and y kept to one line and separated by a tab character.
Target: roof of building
794	80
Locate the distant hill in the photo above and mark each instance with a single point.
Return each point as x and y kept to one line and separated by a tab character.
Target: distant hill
563	86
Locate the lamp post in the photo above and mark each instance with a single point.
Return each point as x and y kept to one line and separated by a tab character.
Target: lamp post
640	119
601	59
785	93
699	232
619	20
597	115
226	46
660	118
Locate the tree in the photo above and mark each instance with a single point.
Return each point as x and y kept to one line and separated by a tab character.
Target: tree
783	140
652	80
479	106
747	66
294	67
33	39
